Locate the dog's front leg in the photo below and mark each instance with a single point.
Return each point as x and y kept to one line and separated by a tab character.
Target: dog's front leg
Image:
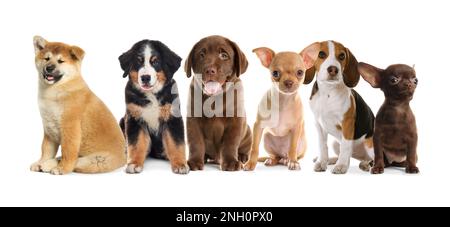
292	155
343	162
70	146
257	134
411	157
196	144
322	163
176	152
138	145
47	161
231	140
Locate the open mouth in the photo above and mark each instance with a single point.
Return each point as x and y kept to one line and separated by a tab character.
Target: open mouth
52	77
146	87
212	87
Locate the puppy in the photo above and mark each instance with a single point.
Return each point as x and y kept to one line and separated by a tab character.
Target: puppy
284	134
152	124
73	117
338	109
398	82
221	134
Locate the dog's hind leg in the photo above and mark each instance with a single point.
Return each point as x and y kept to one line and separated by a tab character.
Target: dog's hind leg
100	162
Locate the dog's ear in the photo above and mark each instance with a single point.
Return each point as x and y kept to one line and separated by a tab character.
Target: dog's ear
170	60
240	61
265	55
76	53
351	74
370	73
309	56
39	44
189	62
125	62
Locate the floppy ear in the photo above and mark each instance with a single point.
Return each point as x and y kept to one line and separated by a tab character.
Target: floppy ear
370	73
351	74
309	56
265	55
76	53
125	62
189	61
39	43
170	60
240	61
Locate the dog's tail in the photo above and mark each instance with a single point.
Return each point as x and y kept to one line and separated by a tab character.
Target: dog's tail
263	159
100	162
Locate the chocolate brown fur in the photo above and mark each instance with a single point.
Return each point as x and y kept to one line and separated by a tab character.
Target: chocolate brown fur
395	137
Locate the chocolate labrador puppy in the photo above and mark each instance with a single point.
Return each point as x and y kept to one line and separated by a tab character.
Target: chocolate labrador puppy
216	124
395	136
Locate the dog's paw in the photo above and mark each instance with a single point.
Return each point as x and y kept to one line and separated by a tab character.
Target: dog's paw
134	169
271	162
365	165
48	165
58	171
231	166
377	170
196	166
321	166
36	167
284	161
243	158
293	165
181	169
332	161
412	170
250	166
340	169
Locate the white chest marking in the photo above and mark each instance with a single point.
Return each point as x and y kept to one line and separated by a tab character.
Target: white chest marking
151	112
51	110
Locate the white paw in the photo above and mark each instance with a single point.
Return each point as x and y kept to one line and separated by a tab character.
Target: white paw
340	169
321	166
284	161
134	169
293	165
332	160
48	165
365	165
183	169
36	167
57	171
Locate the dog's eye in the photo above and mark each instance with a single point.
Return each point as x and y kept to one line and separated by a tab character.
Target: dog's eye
60	61
393	80
47	58
342	56
276	74
224	56
415	81
202	54
155	62
322	55
300	73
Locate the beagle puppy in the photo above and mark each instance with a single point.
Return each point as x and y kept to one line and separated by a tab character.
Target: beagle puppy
338	109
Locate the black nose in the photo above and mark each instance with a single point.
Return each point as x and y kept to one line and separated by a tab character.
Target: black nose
333	70
145	79
211	71
50	68
288	83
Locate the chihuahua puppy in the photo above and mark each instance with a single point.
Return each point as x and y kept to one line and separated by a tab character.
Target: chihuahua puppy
395	136
282	127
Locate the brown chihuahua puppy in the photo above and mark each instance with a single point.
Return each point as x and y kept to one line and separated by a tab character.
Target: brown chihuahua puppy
280	112
395	136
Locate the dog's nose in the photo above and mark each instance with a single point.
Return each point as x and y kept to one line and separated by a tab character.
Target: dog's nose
50	68
146	79
333	70
288	83
211	71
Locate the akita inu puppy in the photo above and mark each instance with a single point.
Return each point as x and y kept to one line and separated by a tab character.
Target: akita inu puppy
73	117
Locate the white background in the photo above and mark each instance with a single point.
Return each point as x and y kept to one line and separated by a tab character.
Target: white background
379	32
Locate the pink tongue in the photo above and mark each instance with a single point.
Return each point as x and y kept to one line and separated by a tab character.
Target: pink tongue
50	78
212	88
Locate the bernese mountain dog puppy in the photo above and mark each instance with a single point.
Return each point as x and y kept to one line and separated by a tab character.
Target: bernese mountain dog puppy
153	125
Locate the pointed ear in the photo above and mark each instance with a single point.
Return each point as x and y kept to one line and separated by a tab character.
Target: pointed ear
265	55
76	53
310	54
189	61
171	61
125	62
39	43
370	73
240	61
351	74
